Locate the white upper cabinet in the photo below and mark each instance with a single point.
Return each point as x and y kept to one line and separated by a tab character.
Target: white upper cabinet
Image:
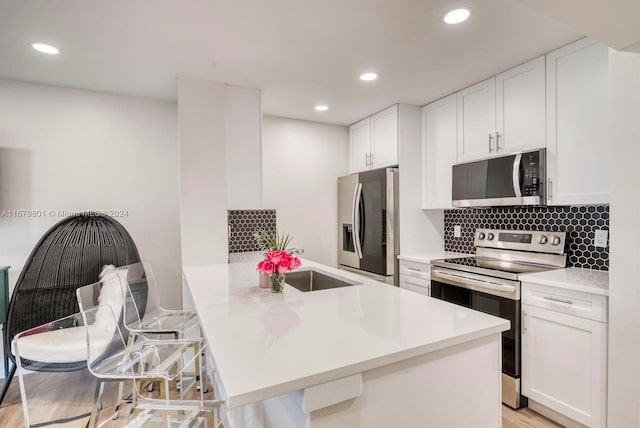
503	114
439	152
384	138
373	142
359	145
477	121
577	118
520	108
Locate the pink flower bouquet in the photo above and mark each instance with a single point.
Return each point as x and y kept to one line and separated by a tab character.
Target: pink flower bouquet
276	264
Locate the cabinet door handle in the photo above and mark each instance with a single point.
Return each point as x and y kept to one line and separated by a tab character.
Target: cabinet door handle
366	159
371	159
555	299
549	188
524	317
498	148
490	143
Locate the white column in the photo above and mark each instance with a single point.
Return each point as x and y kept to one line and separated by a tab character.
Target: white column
624	297
243	148
220	163
203	190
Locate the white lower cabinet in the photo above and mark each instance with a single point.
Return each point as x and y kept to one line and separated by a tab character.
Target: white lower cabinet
564	352
415	276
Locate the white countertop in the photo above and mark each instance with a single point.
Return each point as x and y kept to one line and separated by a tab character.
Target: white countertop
265	344
427	257
578	279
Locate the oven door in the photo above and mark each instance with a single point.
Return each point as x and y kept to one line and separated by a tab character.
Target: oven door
494	296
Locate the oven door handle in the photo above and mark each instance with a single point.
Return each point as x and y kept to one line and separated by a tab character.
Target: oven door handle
481	284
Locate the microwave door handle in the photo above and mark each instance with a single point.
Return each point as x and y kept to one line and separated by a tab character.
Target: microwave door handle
516	175
356	220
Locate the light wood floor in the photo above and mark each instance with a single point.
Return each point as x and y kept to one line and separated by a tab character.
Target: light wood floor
63	395
59	396
525	418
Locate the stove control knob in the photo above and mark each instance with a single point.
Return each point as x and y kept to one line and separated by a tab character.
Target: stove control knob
555	240
542	239
480	235
490	236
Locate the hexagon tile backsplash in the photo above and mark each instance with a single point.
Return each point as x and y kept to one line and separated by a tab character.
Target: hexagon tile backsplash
243	223
580	223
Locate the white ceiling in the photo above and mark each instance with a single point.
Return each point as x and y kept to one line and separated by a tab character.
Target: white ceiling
299	52
615	23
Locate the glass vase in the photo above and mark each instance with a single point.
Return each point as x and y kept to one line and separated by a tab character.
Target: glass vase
277	283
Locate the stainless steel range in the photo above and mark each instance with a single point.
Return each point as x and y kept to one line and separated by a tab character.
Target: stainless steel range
489	283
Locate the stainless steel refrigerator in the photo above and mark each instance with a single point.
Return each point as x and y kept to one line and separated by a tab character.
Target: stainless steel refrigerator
367	224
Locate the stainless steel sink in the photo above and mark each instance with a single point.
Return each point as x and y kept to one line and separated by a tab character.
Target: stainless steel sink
313	280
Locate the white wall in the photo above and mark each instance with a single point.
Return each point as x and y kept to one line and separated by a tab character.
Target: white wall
420	230
624	289
71	150
300	166
65	149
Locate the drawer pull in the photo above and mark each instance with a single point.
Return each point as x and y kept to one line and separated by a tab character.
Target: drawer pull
415	269
554	299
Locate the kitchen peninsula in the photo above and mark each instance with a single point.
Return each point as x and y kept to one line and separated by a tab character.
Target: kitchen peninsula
367	355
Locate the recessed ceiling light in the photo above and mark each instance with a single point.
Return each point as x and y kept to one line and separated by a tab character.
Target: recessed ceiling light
48	49
457	16
321	108
368	76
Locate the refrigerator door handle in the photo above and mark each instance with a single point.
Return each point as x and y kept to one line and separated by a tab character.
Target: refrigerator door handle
357	196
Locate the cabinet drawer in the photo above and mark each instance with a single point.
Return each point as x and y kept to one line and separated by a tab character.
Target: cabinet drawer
415	269
418	285
585	305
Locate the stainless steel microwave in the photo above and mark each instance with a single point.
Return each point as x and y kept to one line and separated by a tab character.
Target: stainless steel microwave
516	179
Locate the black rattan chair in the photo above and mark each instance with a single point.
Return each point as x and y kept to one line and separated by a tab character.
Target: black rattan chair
69	255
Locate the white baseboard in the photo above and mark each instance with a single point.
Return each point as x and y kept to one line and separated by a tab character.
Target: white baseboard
554	416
